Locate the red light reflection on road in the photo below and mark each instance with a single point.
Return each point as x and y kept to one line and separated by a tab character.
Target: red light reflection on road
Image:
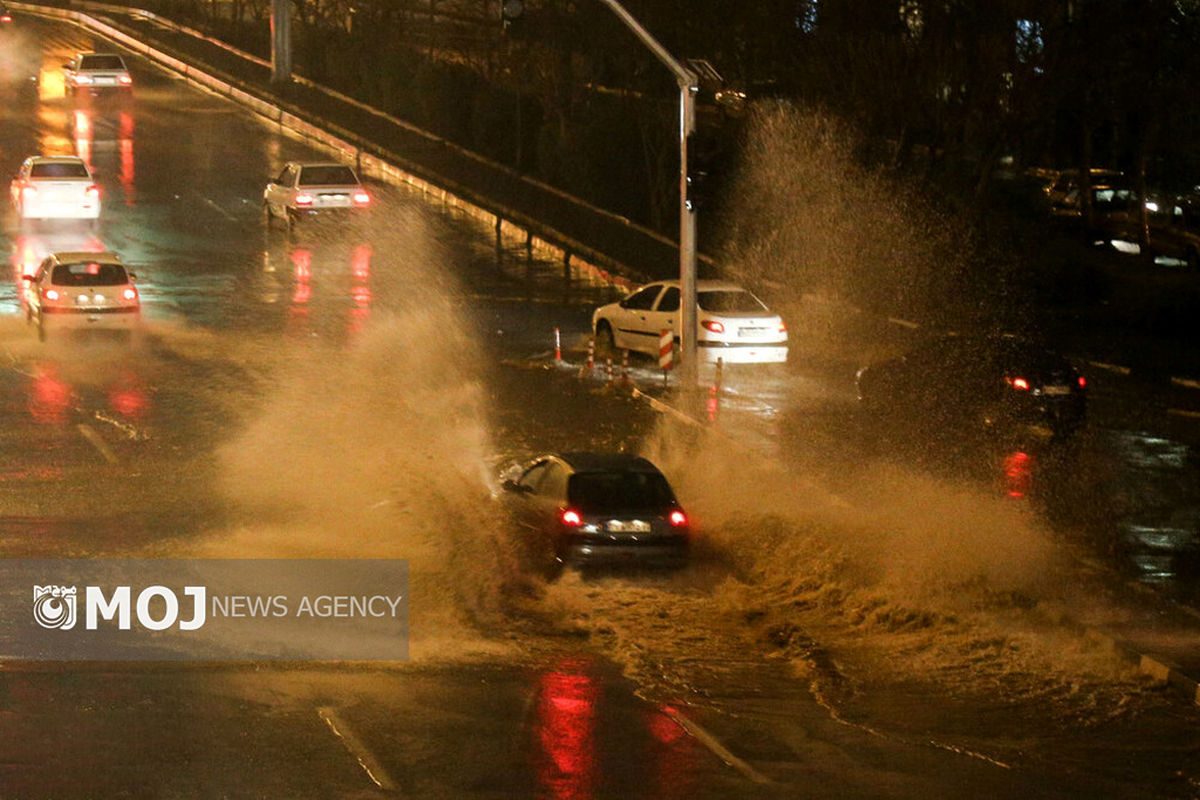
565	730
49	398
82	123
1018	473
128	399
125	145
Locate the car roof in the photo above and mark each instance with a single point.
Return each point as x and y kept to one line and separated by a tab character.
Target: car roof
57	159
106	256
705	285
605	462
318	164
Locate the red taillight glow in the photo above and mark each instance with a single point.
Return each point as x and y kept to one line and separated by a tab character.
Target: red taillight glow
361	198
125	80
571	518
678	518
50	294
1019	383
783	327
130	293
6	18
92	191
1082	381
712	326
304	199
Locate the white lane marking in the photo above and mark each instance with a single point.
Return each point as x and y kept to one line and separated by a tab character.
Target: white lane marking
708	740
1187	382
1110	367
89	433
904	322
219	210
1182	412
362	755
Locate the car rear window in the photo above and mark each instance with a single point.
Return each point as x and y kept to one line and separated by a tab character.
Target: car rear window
730	301
59	170
613	491
89	273
327	176
102	62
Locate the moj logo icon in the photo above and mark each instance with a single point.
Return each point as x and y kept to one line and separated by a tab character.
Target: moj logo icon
54	606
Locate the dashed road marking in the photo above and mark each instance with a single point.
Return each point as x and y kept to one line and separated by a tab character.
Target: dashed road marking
712	743
1183	412
89	433
904	322
1110	367
362	755
1186	382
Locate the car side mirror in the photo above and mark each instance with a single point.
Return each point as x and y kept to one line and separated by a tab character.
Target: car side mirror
66	66
132	276
512	486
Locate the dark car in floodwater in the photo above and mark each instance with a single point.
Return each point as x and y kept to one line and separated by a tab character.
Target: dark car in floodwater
598	510
951	385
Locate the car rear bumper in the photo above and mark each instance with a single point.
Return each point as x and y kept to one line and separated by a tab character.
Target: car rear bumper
77	318
591	554
742	352
59	211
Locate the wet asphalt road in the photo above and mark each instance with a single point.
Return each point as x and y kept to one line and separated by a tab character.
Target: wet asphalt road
265	353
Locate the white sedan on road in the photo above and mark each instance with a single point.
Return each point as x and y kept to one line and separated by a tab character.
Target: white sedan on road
319	189
733	325
82	290
55	187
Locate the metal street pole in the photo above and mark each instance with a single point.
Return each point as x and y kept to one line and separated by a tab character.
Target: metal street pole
688	86
281	41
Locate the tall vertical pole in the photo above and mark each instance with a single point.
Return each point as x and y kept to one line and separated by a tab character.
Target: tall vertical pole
688	86
688	318
281	41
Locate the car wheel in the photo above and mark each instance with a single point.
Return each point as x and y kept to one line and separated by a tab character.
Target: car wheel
267	215
606	343
1193	259
291	221
41	323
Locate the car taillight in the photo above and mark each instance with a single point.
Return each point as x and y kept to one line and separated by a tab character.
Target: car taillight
125	80
1018	383
783	327
130	293
304	199
6	18
678	519
712	326
29	191
1082	381
92	191
571	518
361	198
50	294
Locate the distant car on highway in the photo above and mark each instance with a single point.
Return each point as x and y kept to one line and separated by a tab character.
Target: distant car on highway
55	187
97	73
961	384
598	509
733	324
314	189
5	15
73	290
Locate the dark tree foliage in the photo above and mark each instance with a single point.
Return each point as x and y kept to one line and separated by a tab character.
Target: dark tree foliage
943	90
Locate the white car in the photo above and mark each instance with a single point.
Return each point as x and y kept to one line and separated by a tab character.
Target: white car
314	189
55	187
82	290
96	72
733	325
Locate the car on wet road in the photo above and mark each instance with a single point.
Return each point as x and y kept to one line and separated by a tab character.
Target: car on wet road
590	509
97	73
77	290
734	326
55	188
954	384
321	189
